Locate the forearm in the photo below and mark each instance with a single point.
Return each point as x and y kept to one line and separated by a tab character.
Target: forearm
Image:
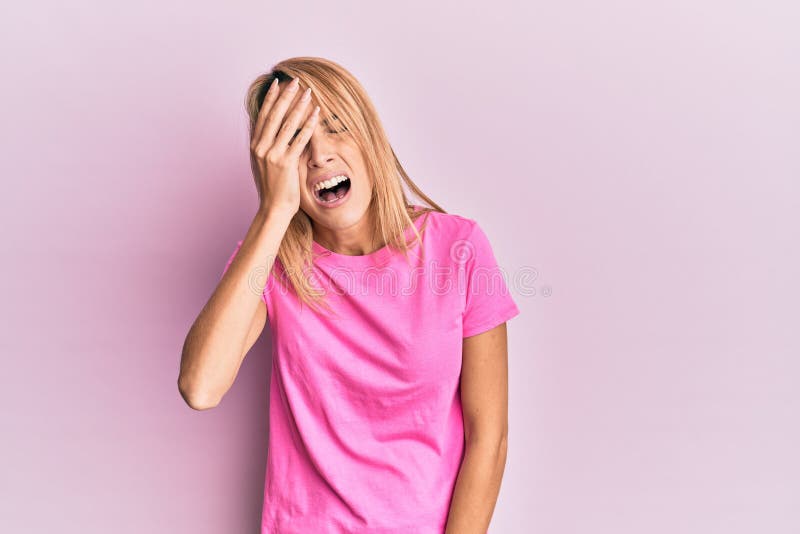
477	488
213	348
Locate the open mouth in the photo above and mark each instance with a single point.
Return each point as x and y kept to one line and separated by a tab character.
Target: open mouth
333	193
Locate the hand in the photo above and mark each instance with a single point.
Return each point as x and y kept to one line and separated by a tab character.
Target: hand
275	162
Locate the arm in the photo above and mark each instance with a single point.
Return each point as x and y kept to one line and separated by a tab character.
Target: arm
484	399
234	316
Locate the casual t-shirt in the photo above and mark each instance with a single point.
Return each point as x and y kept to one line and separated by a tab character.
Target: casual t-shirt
365	422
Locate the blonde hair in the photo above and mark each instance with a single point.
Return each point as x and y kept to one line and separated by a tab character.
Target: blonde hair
339	94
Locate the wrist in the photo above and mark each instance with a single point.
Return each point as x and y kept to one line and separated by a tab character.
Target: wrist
278	214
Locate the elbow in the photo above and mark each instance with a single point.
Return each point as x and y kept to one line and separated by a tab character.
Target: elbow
491	443
197	398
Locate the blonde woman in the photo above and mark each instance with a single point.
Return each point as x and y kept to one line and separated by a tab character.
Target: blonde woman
388	391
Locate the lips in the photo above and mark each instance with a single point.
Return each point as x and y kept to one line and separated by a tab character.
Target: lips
334	197
321	178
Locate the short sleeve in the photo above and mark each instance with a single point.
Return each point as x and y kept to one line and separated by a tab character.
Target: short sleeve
230	260
488	301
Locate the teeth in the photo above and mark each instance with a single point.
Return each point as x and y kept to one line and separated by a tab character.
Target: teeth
330	182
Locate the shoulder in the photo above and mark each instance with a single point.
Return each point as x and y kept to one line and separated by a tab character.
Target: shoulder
455	237
459	238
450	226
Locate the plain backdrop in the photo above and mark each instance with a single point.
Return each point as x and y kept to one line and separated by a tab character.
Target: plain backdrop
634	164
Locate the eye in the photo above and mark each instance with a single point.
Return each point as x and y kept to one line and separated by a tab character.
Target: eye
335	118
330	130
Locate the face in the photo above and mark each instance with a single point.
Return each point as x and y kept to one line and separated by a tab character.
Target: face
331	152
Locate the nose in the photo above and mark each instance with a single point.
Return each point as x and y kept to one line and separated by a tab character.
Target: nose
320	150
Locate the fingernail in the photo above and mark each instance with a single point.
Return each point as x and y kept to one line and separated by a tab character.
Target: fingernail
306	94
295	83
273	84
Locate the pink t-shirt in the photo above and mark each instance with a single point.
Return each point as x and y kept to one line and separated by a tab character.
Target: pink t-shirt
365	424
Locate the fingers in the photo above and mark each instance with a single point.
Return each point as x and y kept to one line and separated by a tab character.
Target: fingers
292	122
305	134
274	115
266	105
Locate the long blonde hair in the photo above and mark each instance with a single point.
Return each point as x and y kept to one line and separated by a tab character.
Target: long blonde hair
339	94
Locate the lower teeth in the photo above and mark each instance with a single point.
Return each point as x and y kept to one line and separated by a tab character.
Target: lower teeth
330	196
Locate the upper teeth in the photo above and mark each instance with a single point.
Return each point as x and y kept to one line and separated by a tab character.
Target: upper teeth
330	182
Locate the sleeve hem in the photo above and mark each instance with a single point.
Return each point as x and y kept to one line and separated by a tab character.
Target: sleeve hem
498	319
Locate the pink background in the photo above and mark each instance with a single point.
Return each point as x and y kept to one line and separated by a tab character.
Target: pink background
640	159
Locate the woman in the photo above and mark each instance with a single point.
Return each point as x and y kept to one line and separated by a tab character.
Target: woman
388	392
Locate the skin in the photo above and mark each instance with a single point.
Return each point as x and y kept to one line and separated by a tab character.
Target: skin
484	400
346	229
290	147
